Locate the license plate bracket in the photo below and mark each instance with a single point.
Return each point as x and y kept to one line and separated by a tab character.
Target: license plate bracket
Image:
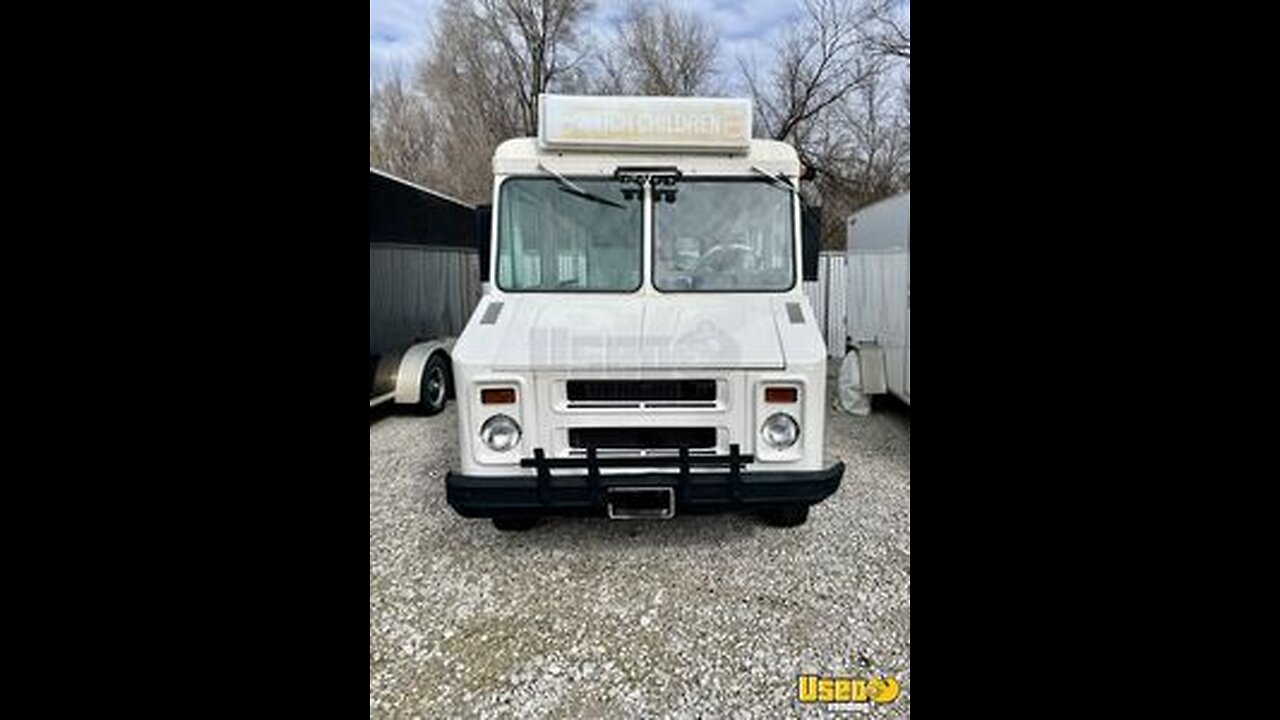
641	503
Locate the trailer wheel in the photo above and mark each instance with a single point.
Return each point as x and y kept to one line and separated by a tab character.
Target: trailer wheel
787	516
515	524
435	385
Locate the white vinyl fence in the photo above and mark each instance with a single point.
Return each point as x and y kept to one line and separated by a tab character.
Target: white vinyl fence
827	297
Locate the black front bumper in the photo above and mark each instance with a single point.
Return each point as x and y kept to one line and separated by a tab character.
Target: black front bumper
695	492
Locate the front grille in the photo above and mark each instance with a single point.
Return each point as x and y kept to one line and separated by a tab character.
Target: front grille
642	437
641	390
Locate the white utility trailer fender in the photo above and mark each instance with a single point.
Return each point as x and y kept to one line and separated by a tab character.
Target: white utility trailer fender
878	308
645	348
410	373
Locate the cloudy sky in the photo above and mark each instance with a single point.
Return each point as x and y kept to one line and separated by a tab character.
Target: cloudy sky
398	29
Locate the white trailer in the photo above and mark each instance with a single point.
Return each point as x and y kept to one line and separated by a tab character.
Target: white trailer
646	348
878	308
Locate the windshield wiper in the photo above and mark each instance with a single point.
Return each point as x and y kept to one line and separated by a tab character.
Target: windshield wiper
780	180
573	188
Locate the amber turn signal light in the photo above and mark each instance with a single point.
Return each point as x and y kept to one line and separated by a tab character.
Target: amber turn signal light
779	394
498	396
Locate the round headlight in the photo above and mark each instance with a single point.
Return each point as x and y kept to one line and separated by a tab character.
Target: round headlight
500	433
780	431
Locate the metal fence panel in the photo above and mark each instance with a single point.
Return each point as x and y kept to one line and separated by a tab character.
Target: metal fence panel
827	297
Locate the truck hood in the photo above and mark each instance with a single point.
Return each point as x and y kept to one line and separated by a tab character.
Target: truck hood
535	332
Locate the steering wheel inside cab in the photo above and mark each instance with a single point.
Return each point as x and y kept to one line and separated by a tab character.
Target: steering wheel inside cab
723	266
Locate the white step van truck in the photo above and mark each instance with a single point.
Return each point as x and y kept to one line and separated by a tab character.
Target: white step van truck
646	348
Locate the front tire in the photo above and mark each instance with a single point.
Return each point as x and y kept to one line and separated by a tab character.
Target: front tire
788	516
515	524
434	390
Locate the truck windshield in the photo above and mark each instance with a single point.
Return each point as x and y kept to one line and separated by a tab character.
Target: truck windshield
723	234
551	238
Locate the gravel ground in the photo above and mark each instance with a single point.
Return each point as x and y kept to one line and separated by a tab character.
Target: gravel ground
711	616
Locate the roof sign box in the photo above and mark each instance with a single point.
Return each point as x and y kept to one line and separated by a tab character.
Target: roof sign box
644	123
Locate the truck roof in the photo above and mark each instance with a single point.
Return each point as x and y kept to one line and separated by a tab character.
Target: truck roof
520	156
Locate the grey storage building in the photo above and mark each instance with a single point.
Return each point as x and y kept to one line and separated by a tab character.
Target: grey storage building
424	267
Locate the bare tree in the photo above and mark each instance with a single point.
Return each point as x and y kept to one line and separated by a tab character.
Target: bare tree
838	89
818	64
537	42
612	73
488	61
863	153
838	95
402	134
472	98
661	50
890	28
